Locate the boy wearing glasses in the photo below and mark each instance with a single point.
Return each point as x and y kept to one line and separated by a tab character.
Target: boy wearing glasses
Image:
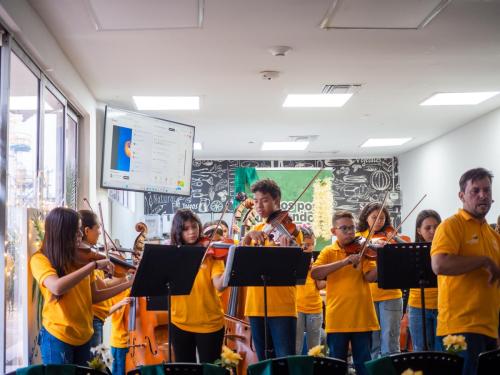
350	314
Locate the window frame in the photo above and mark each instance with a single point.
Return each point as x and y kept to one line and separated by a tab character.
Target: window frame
8	46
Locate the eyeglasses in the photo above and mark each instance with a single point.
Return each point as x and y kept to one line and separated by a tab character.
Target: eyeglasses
347	229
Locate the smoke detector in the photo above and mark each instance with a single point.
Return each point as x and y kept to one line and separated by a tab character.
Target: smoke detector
279	50
269	75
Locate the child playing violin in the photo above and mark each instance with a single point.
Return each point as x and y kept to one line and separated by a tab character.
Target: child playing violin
388	302
119	339
350	314
309	302
91	233
198	318
69	288
425	227
281	301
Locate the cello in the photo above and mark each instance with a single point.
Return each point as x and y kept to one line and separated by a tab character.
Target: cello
237	333
148	330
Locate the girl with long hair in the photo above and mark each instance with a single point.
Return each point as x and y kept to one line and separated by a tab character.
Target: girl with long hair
68	286
425	227
388	302
198	318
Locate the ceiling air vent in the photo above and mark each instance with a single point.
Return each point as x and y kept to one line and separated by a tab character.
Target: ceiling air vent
341	89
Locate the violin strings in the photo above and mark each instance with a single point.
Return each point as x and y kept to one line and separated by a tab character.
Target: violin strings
370	233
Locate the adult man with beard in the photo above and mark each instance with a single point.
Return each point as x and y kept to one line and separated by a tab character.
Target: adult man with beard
466	257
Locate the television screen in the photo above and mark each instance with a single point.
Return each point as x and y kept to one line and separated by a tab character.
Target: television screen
144	153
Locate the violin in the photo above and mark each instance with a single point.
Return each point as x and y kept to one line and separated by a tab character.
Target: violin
86	254
220	249
279	225
357	245
390	235
217	249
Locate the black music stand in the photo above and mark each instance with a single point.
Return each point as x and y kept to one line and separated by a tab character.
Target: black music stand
265	266
407	265
167	270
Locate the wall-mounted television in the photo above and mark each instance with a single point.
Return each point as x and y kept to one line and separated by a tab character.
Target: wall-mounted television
144	153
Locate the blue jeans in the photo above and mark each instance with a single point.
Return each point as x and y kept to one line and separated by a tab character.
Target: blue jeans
386	341
338	344
57	352
311	325
119	355
417	337
281	335
476	344
96	338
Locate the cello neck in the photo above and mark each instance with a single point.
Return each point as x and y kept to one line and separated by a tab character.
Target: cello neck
132	313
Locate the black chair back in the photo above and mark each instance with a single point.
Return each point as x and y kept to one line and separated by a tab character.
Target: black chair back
431	363
322	366
177	368
79	370
489	362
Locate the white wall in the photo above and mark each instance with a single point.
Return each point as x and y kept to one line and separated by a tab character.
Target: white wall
435	168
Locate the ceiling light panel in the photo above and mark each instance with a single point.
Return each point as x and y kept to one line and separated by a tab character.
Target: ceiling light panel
459	98
108	15
316	100
385	142
166	103
381	14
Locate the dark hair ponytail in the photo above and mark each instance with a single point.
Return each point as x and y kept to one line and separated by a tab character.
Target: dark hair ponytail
59	242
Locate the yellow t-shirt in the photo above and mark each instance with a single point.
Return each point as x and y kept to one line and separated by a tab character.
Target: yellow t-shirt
308	298
68	318
379	294
466	302
281	300
430	296
201	311
119	322
349	304
101	309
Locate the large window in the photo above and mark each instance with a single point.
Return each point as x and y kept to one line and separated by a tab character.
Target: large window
71	157
41	174
52	172
21	193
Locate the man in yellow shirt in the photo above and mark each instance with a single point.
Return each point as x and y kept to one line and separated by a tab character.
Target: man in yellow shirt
281	301
466	257
350	313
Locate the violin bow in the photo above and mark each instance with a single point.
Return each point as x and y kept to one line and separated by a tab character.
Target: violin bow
285	212
370	232
105	234
106	249
226	206
307	187
394	234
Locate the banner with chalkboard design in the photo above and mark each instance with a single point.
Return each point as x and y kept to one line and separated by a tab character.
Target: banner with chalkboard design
292	182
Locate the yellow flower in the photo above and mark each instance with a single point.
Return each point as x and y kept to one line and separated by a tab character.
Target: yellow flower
317	351
454	343
411	372
229	357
